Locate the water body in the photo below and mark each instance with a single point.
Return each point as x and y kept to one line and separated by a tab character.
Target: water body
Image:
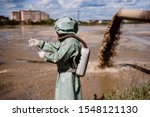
23	75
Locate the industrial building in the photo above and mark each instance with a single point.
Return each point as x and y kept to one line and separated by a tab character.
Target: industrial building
26	15
3	18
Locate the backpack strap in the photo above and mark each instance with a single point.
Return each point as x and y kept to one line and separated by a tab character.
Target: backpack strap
77	68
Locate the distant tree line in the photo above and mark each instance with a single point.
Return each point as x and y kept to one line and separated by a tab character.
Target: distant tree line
50	21
4	22
9	22
92	23
42	22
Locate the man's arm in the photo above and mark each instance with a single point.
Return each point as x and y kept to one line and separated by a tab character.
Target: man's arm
49	46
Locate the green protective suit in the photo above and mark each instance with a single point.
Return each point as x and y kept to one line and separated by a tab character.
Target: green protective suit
64	53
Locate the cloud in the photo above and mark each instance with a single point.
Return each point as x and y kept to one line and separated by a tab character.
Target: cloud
87	9
45	2
10	4
67	4
98	3
130	2
7	6
19	2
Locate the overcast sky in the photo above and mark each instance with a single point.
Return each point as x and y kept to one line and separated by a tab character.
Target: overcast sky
85	9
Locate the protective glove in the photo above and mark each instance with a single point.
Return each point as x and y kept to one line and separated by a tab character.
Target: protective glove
41	54
33	42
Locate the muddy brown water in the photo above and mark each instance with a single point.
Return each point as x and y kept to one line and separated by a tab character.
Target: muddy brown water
23	75
109	42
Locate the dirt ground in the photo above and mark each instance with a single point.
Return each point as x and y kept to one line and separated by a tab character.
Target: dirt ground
23	75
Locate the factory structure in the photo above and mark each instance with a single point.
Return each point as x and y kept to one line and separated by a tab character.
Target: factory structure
3	18
26	15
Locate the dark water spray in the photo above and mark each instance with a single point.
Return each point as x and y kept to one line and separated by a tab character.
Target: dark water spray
112	34
109	42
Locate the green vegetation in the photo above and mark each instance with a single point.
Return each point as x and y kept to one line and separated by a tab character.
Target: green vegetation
51	22
29	22
133	22
132	93
42	22
9	22
82	23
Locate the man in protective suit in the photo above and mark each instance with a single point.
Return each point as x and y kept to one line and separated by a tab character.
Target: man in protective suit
65	53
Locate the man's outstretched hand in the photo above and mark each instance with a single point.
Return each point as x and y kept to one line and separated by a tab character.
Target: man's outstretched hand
41	54
33	42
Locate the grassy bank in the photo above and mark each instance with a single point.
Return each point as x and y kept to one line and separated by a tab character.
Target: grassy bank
132	93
